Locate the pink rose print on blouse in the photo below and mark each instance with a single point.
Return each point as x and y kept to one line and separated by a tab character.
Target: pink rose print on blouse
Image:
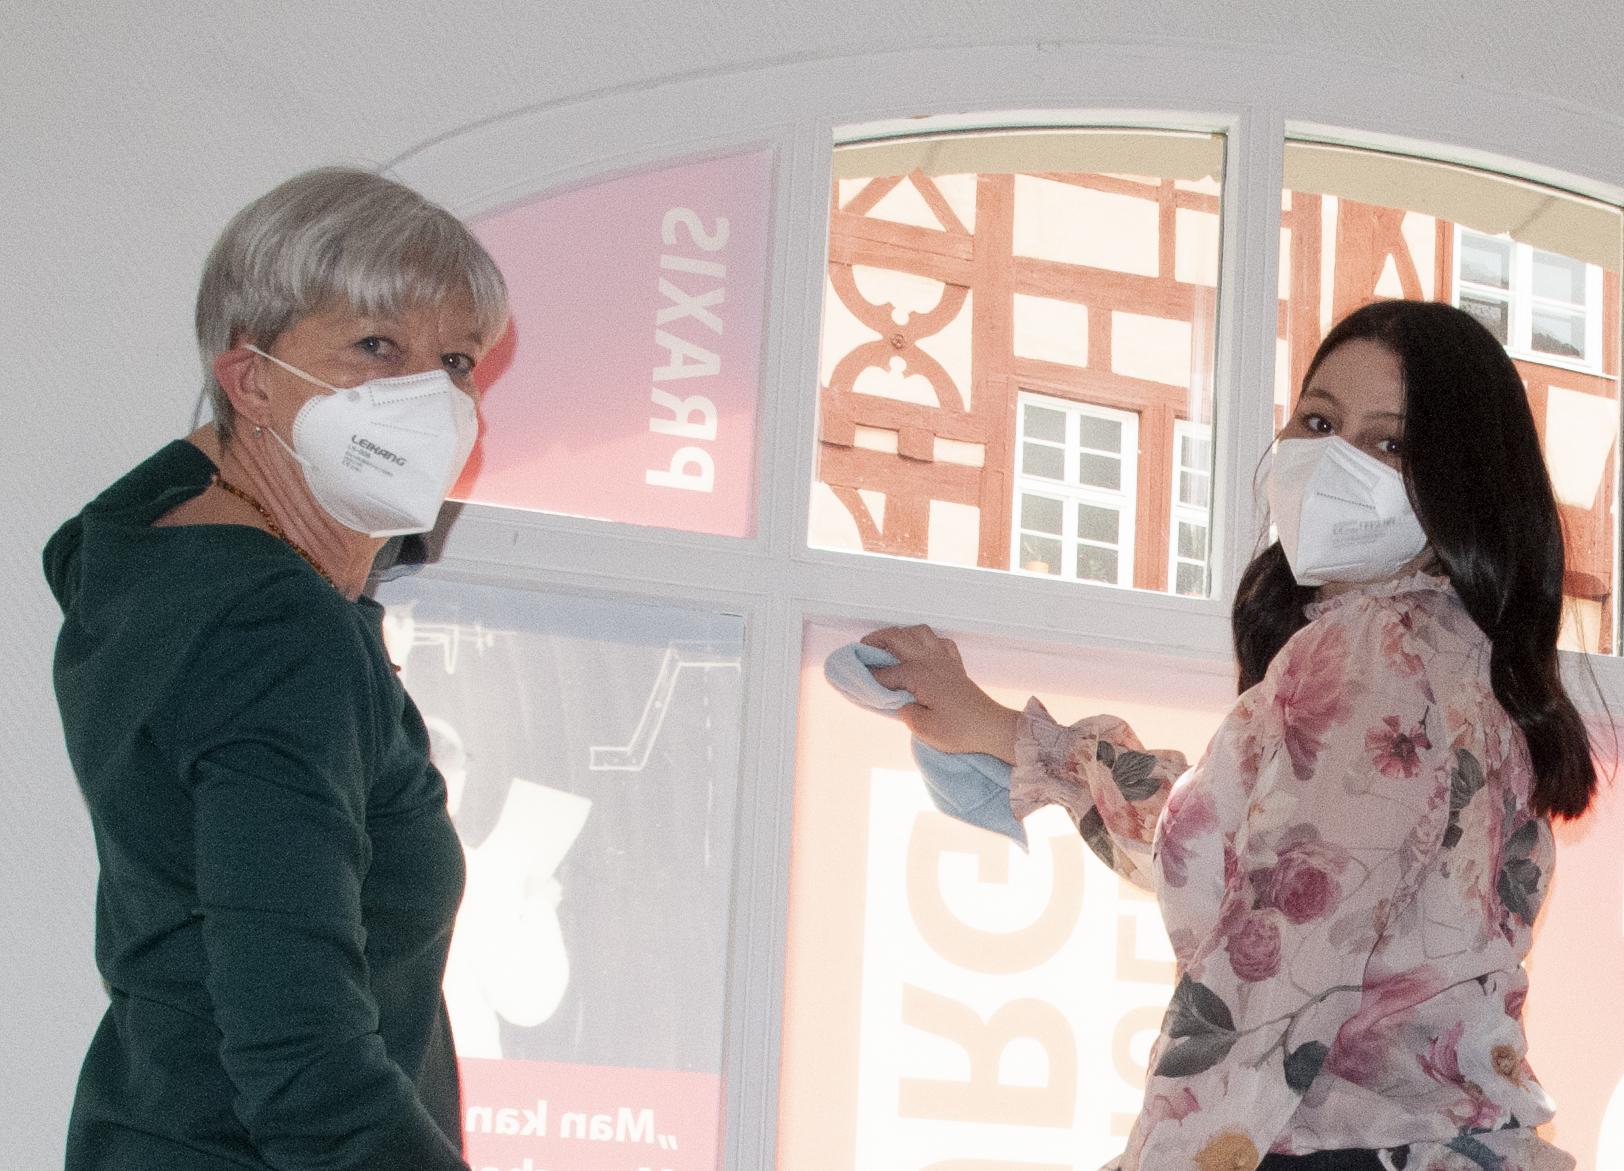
1254	948
1396	647
1365	1041
1185	942
1177	1108
1161	1108
1393	750
1301	885
1187	816
1514	1002
1441	1062
1311	696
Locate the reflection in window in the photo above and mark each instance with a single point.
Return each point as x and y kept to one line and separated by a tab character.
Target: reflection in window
1014	326
1074	487
590	753
1541	305
908	931
1192	503
1538	267
1484	290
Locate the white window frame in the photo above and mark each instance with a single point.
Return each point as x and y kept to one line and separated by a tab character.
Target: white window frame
1071	493
773	579
1189	513
1522	301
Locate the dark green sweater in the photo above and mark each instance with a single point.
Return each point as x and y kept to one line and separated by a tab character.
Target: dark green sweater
279	875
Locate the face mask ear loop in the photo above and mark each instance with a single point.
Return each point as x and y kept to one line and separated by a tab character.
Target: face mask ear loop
291	369
297	458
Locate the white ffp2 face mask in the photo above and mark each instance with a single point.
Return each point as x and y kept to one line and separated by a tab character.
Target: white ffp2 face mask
380	457
1342	515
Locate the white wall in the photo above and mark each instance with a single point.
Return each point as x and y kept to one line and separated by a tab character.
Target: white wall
129	133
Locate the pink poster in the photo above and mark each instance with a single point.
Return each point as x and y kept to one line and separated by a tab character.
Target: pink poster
549	1116
626	388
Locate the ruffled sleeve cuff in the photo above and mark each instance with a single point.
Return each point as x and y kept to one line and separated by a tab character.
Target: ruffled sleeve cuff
1044	772
1097	770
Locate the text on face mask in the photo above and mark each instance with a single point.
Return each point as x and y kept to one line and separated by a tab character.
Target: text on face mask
1352	530
381	452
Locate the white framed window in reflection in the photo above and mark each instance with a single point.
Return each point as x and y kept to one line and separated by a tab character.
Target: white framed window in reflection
1544	307
1076	474
1190	533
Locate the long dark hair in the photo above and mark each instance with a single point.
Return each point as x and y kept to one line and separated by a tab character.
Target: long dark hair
1482	494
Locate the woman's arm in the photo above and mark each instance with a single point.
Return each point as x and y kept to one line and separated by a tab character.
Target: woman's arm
951	713
1096	768
283	730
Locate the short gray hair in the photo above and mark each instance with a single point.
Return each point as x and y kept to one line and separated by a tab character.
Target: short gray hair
328	233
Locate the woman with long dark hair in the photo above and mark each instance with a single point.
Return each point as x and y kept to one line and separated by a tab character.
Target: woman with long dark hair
1351	874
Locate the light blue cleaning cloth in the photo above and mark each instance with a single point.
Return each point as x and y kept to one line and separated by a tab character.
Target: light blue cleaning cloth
971	786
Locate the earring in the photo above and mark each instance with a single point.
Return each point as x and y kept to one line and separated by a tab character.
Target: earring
256	432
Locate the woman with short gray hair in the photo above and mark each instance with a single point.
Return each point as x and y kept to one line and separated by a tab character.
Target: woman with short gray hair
279	876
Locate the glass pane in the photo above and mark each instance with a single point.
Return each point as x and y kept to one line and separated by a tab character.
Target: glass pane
646	416
1485	262
1099	471
1041	513
1191	580
1040	554
886	894
1096	564
1192	541
1193	488
1495	315
1559	333
1195	452
1559	278
1076	235
1042	423
1365	225
591	756
1048	462
1097	524
1100	434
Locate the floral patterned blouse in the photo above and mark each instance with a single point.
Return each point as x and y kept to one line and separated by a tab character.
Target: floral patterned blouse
1349	878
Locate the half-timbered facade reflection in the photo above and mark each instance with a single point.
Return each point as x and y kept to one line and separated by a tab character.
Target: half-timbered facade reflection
1016	365
1017	373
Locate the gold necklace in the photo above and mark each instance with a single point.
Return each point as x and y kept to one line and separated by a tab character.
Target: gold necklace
276	529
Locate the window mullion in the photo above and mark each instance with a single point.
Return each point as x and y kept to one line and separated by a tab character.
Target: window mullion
1594	322
1522	300
1128	526
1244	356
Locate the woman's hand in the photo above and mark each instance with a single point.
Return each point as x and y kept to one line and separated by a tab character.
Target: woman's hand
951	713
